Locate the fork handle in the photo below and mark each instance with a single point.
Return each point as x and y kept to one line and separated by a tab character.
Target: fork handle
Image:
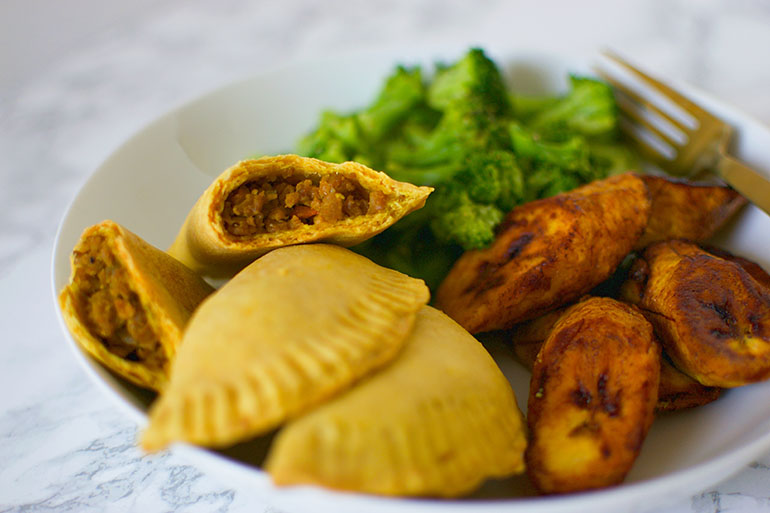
752	185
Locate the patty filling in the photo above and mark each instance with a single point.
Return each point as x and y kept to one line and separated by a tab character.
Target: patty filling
109	308
280	203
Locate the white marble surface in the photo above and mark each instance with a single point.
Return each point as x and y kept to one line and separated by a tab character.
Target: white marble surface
77	81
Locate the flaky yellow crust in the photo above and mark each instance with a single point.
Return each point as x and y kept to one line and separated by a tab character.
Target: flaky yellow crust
205	246
592	397
547	253
294	328
437	421
167	290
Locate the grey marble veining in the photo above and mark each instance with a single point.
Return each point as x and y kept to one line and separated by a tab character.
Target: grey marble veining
63	444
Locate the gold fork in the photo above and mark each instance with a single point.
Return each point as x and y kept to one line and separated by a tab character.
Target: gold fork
705	148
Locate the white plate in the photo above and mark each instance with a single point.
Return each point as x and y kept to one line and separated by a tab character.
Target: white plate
149	184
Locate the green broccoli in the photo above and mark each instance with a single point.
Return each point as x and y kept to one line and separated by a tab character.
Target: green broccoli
468	224
403	91
473	81
589	109
492	178
512	183
358	136
484	149
571	156
546	181
611	158
526	107
466	209
474	107
336	139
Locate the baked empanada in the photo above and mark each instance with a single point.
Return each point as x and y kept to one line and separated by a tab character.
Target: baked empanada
292	329
259	205
436	421
547	253
712	316
686	210
127	303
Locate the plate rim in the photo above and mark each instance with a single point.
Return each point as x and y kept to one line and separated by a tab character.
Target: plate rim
718	468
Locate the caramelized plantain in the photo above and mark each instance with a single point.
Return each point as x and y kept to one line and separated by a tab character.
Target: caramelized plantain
632	289
687	210
592	397
712	316
527	338
753	268
677	391
547	253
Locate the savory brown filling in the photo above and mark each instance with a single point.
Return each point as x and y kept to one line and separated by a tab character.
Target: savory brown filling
280	203
110	309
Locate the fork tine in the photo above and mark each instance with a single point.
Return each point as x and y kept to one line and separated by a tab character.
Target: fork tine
634	97
647	150
673	95
636	117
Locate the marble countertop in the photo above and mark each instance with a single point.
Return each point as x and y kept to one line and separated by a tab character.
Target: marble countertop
78	80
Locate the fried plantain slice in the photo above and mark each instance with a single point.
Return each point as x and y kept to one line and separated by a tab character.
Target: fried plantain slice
527	338
754	269
712	316
592	397
677	391
687	210
547	253
632	289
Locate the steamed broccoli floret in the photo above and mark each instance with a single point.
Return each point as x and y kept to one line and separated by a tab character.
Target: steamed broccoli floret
589	109
466	209
476	79
481	177
483	149
403	91
546	181
336	139
417	128
570	155
470	225
446	143
512	186
358	136
471	97
526	107
493	178
612	158
444	152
